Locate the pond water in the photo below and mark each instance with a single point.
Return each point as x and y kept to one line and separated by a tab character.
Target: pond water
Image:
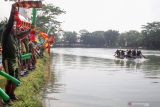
92	77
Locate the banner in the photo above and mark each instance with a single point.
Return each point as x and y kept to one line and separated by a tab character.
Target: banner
29	4
26	13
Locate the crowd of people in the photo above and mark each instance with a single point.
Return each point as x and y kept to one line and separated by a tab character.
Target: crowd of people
129	53
20	49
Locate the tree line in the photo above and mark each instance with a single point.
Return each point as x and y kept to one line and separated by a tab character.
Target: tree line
148	38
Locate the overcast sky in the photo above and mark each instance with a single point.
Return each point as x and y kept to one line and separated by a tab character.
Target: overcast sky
94	15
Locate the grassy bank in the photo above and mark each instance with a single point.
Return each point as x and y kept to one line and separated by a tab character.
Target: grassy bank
2	82
30	91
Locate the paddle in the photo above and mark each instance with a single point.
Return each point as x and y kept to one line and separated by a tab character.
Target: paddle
144	56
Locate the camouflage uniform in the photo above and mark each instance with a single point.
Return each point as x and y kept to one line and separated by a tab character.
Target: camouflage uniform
10	53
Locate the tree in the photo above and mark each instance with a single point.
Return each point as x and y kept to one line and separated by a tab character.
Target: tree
46	19
70	38
131	38
97	39
84	37
111	37
122	42
151	33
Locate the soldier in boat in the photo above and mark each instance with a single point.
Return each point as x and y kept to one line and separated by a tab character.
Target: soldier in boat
122	54
117	53
134	53
139	54
129	55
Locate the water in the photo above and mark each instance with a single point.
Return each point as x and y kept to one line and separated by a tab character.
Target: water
83	77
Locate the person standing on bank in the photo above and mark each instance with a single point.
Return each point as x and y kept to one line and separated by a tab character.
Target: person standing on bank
10	52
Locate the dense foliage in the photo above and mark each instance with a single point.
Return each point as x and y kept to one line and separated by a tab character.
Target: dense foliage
151	33
47	18
148	38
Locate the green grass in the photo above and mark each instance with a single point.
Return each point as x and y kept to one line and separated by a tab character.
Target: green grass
2	82
30	90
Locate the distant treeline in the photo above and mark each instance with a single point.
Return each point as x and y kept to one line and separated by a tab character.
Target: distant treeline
148	38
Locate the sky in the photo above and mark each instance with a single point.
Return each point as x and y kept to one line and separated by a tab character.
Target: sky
101	15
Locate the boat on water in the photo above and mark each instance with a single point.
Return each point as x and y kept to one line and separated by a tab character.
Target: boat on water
130	59
129	54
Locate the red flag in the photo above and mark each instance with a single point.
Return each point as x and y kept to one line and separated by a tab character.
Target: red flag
52	40
18	21
33	35
49	49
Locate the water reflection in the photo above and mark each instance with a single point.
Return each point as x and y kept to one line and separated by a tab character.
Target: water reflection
53	85
128	63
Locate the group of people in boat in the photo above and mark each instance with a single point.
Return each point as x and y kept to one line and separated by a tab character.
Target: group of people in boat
129	53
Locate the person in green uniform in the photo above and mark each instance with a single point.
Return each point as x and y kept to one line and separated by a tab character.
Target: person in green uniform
10	53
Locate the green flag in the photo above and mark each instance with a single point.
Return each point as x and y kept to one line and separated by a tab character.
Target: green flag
34	12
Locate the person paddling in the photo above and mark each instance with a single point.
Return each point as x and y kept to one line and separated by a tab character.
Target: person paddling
139	54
